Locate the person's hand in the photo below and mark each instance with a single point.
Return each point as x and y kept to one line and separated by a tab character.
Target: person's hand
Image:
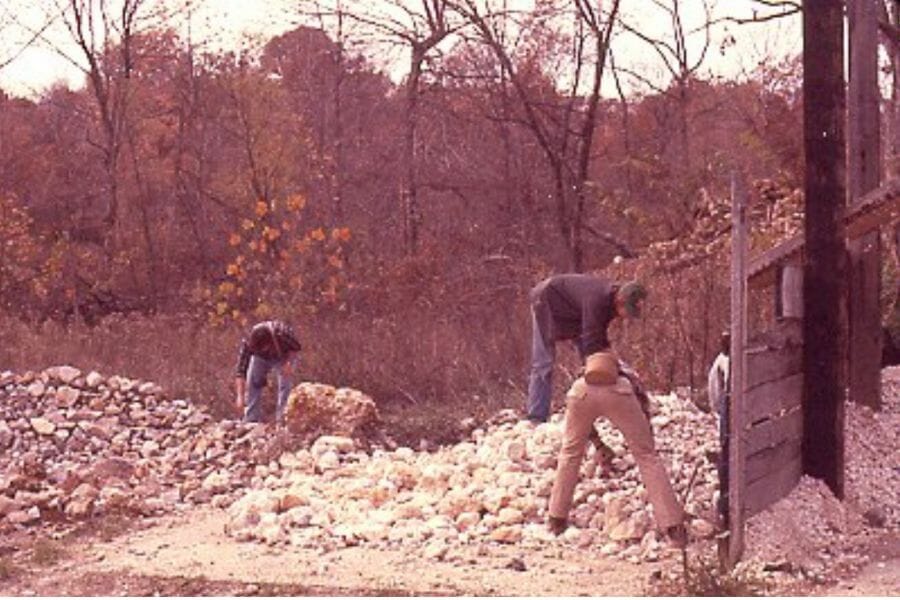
644	401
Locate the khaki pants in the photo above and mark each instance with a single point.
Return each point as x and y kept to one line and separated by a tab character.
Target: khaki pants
584	404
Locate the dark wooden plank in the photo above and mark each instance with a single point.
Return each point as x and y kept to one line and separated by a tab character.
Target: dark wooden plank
865	320
878	216
772	398
768	460
775	431
883	198
863	101
777	484
863	176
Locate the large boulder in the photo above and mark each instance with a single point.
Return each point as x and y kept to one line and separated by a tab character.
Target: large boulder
316	407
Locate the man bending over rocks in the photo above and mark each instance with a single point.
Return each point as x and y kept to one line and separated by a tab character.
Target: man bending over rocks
572	307
270	346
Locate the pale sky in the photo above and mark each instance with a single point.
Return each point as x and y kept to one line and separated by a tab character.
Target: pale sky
226	23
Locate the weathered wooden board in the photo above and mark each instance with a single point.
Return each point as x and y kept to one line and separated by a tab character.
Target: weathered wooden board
770	459
766	365
732	546
772	398
775	431
775	485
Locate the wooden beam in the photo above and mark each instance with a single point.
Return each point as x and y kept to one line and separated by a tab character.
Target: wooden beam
736	434
863	101
880	207
770	258
885	214
863	176
865	335
824	278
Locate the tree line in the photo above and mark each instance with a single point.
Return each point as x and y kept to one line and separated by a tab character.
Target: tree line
301	180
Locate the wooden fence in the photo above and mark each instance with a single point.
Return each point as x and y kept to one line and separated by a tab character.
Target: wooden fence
765	416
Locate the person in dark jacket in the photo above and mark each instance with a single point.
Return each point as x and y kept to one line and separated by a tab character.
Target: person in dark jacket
270	346
573	307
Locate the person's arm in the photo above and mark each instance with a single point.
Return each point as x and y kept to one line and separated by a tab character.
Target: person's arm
604	453
241	376
637	385
239	387
290	363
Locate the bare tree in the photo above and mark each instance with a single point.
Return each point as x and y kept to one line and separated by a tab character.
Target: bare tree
678	61
558	128
763	11
104	34
10	21
418	27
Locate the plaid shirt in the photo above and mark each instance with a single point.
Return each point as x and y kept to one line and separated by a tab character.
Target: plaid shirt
272	340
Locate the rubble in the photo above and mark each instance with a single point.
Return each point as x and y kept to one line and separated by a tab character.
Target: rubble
81	445
492	488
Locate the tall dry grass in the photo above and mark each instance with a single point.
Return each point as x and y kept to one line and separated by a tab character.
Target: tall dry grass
426	367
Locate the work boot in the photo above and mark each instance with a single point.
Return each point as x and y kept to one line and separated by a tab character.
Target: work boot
557	525
678	535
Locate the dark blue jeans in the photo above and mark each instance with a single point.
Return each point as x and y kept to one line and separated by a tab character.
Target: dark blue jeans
540	386
257	373
722	466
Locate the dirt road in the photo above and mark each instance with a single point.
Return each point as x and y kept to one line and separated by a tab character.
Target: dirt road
190	555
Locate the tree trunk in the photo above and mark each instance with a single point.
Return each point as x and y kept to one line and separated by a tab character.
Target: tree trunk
411	213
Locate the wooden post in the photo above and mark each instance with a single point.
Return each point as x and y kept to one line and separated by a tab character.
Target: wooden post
864	175
864	308
824	309
863	107
736	433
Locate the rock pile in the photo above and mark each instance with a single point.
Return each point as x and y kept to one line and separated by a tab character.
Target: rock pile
80	444
491	489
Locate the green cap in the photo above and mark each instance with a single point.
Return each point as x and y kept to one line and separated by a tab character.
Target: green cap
632	293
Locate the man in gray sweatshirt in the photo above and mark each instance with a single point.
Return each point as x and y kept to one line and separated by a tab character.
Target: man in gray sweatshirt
573	307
